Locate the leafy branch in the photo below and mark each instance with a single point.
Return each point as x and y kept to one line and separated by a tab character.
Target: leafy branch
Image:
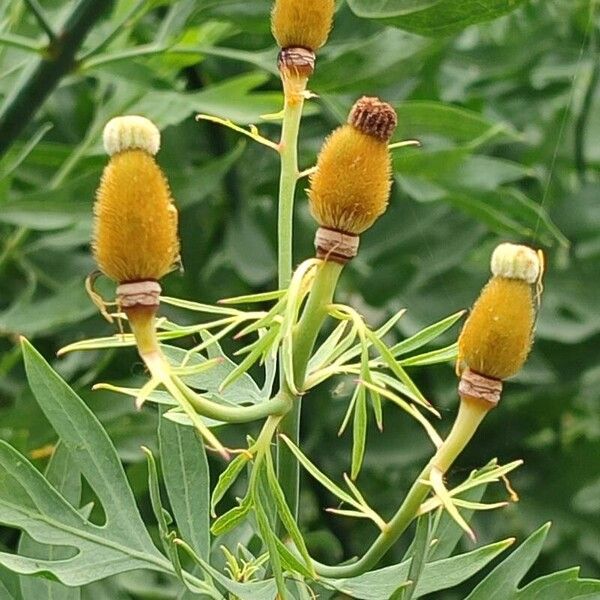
46	72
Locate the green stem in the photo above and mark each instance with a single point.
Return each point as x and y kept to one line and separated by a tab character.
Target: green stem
46	72
277	406
288	150
470	415
305	335
288	471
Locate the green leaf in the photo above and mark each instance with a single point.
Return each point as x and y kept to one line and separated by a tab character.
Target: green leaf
232	99
70	304
187	480
388	358
436	576
58	209
447	531
318	475
29	502
502	582
232	517
434	18
561	585
418	559
88	444
6	167
64	476
285	514
389	8
368	61
447	354
227	478
270	540
422	117
508	211
260	590
449	572
359	430
242	391
423	337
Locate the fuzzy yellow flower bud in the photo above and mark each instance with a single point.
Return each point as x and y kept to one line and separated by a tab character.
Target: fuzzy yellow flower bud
135	226
497	337
351	185
302	23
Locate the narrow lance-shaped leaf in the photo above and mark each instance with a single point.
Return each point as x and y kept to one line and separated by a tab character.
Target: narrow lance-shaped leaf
285	514
227	478
359	431
187	480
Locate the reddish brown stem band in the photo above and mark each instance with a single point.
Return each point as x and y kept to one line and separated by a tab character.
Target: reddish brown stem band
337	246
477	386
139	293
296	61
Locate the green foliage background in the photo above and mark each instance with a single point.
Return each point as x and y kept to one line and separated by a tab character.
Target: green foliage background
507	112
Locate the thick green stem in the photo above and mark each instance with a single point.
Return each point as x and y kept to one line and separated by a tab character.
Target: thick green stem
305	335
46	72
470	415
277	406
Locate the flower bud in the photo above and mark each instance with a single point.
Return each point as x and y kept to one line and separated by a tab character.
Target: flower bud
302	23
351	185
498	334
135	226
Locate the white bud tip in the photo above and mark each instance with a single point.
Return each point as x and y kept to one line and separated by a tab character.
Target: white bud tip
516	262
131	132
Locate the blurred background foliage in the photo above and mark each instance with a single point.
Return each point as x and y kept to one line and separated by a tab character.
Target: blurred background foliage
507	113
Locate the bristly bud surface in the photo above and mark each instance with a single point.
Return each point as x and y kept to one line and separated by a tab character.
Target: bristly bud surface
302	23
497	337
351	185
135	225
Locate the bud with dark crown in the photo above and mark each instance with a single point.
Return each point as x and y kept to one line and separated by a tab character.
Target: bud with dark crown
351	186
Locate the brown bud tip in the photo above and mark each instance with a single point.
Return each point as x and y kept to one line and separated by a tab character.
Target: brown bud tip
374	117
